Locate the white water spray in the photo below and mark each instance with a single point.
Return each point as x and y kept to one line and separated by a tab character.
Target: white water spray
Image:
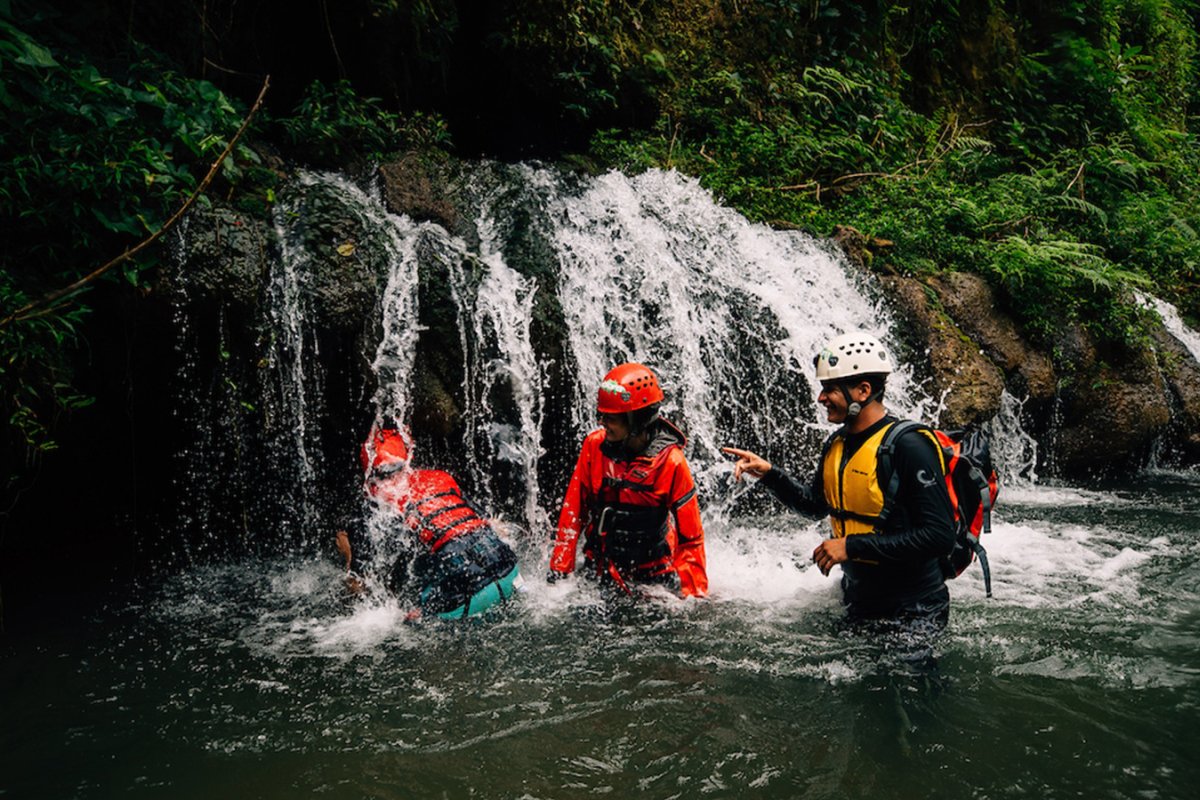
1173	323
730	314
1014	452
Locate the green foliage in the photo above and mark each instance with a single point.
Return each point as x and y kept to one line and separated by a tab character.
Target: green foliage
96	163
1053	157
336	125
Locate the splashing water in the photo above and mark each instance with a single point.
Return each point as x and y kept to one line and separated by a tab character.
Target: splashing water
1079	677
1014	452
728	313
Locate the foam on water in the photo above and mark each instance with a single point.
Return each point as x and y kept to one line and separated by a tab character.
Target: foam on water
651	268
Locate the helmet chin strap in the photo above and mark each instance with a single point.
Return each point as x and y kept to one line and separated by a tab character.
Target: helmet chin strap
853	407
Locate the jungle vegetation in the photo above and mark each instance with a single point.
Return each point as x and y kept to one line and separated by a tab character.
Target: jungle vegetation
1048	145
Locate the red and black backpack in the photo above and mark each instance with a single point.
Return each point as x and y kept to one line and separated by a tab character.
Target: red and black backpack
971	481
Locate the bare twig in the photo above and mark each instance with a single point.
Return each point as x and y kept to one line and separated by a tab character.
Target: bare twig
332	41
30	310
856	175
1078	177
795	187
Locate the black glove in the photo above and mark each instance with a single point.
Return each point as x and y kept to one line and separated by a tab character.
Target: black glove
554	576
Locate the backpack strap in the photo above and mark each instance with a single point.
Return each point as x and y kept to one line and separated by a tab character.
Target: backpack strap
891	484
981	554
985	500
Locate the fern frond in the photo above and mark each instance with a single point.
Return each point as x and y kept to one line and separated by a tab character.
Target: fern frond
1073	203
831	80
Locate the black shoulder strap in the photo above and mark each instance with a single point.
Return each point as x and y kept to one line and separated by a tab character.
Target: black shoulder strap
888	477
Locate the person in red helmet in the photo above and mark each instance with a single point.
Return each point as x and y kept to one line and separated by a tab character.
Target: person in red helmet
632	496
449	561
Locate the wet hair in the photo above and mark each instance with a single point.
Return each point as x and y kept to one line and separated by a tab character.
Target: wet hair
640	420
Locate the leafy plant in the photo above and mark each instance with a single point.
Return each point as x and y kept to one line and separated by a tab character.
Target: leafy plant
335	124
97	162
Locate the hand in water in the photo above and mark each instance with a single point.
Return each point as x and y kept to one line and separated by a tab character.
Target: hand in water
747	463
342	542
354	584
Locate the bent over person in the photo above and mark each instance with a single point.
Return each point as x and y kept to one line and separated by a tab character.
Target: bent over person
632	496
891	561
445	558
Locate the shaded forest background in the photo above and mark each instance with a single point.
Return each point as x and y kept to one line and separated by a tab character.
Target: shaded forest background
1050	147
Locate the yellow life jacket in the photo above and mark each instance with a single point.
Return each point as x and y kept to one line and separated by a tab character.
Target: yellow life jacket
853	493
852	489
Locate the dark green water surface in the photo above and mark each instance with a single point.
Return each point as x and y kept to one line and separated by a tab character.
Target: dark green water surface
1080	678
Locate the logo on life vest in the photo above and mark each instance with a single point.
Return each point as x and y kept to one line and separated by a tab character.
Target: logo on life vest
612	387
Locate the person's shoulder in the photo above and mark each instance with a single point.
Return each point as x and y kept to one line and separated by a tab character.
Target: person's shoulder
423	480
912	435
909	427
594	439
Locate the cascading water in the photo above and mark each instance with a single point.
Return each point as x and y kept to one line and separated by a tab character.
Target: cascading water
1173	323
1014	452
291	356
496	311
730	314
1079	678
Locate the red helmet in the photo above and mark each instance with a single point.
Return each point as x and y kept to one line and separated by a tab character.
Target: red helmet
385	451
626	388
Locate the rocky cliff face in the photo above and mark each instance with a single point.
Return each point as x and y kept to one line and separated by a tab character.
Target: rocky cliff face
191	444
1095	412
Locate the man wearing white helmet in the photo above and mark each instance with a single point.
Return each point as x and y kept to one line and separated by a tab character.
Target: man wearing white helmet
890	558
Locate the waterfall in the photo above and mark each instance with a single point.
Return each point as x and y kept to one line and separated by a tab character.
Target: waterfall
730	314
292	359
396	352
1173	323
506	300
502	375
1164	454
548	280
1014	451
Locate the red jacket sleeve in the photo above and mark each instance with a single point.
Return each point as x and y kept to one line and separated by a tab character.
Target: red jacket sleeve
573	517
689	560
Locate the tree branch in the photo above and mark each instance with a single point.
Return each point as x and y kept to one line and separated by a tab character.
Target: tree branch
30	310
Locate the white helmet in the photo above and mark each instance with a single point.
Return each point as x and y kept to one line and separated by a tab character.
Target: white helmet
852	354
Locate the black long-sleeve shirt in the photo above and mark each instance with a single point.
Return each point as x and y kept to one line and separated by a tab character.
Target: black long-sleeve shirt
900	565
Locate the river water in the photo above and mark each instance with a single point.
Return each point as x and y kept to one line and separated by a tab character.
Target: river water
1080	678
252	677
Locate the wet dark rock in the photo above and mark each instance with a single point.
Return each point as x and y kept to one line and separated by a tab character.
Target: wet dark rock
1098	411
971	303
972	384
347	265
1111	417
418	184
1182	376
858	247
227	258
